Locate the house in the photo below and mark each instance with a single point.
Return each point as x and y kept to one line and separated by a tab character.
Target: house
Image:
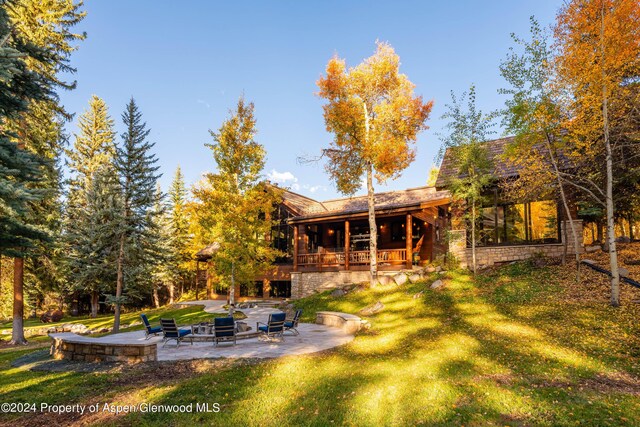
509	230
326	244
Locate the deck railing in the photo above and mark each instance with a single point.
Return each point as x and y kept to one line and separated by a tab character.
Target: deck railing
332	259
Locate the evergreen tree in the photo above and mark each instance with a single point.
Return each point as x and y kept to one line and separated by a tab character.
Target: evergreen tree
40	30
137	172
20	170
92	157
92	237
159	248
179	229
236	203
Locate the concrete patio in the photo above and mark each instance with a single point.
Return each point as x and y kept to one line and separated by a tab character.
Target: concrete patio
312	338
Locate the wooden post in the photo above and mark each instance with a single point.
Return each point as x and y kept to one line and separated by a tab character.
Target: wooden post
295	248
347	244
197	277
409	241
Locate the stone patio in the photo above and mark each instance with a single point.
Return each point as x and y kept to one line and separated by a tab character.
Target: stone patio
312	338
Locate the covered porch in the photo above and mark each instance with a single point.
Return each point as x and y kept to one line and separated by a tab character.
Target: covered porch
341	242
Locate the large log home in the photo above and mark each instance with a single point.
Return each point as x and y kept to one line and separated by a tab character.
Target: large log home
326	244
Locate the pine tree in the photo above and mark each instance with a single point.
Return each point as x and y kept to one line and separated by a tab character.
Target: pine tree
159	248
179	229
40	30
137	172
92	236
236	203
92	157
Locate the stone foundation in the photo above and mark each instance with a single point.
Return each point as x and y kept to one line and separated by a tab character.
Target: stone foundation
304	284
490	255
74	347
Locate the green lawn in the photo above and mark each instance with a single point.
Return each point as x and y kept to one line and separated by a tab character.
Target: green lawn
515	346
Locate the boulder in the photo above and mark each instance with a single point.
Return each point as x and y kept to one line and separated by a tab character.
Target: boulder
623	272
400	279
623	239
52	316
338	293
429	270
438	269
418	295
437	284
372	309
385	280
415	277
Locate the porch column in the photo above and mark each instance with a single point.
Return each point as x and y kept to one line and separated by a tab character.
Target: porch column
409	241
347	244
295	248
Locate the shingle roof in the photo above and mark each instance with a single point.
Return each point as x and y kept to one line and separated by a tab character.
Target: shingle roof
386	200
501	168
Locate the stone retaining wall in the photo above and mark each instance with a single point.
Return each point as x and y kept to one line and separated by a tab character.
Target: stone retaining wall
68	348
349	323
304	284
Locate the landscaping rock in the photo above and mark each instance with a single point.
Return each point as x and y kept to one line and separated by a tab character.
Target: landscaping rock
623	272
415	277
385	280
400	279
372	309
438	269
338	293
365	325
429	270
437	284
52	316
623	239
418	295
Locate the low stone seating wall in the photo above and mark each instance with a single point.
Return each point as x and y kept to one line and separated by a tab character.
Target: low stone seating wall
349	323
69	346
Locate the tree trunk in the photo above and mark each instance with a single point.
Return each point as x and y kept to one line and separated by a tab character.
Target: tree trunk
630	221
569	218
473	236
119	285
373	230
95	295
156	298
171	292
232	291
17	333
611	237
600	234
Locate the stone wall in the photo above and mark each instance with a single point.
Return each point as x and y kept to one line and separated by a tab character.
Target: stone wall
497	254
70	349
304	284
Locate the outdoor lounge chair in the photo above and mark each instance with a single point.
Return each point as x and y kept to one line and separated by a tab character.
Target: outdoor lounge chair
170	332
149	330
292	325
224	329
273	328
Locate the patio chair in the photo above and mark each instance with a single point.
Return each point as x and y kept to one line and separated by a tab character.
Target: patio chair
170	332
292	325
149	330
273	328
224	329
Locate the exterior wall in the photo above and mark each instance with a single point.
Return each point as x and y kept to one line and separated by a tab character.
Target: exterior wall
489	255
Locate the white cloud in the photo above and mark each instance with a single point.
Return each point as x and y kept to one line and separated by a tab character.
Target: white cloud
205	103
314	188
281	177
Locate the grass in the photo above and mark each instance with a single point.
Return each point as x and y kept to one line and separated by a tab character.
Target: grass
514	346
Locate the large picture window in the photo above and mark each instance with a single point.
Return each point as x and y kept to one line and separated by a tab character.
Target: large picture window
501	223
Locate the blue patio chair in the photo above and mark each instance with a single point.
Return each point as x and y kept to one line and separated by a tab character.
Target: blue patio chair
224	329
170	332
273	328
149	330
292	325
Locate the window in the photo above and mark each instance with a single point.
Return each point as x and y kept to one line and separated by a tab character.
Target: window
280	289
253	289
282	234
501	223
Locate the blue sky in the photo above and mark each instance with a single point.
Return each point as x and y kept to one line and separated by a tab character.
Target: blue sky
186	63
